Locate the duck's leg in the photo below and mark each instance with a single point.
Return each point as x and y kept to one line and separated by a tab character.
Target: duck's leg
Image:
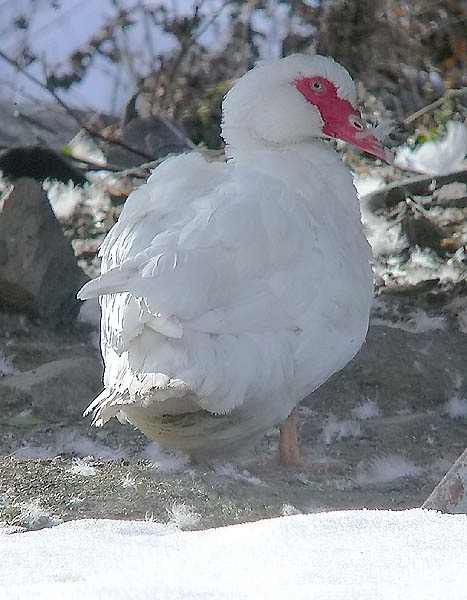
289	449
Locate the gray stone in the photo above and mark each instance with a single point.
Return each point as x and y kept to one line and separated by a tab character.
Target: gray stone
59	390
28	123
38	270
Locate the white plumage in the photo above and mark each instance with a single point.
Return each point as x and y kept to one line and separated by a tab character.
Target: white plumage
230	291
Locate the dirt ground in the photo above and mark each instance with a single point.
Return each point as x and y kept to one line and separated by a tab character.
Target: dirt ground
379	434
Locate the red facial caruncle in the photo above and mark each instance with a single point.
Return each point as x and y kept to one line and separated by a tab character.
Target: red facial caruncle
341	120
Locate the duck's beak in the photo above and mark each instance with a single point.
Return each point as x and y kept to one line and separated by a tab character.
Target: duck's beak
364	140
340	123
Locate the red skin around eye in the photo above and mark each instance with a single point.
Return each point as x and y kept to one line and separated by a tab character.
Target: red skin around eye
336	113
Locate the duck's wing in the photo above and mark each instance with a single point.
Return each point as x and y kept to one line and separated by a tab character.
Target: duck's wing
189	284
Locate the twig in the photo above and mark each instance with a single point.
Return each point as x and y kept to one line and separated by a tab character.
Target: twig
185	47
92	166
419	113
68	110
139	170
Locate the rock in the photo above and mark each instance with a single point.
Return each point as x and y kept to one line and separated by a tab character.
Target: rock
153	137
26	123
59	390
38	270
450	495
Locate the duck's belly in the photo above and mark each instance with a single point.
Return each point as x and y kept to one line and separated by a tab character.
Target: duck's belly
328	341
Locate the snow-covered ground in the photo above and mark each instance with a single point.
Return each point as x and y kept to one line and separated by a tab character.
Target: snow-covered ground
361	555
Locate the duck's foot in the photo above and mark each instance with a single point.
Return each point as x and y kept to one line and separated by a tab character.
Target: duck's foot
290	455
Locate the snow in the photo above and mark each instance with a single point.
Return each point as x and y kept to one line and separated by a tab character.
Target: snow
367	184
364	555
436	157
385	237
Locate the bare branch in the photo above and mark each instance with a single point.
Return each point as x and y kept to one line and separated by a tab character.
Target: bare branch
429	107
73	114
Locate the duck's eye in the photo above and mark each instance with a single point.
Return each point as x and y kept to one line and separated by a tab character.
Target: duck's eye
356	122
316	86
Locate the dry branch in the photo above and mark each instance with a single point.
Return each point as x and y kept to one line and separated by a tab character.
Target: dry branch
73	114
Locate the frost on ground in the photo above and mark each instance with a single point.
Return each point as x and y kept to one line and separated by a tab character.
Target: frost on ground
367	409
32	516
350	555
418	321
385	469
335	430
82	468
69	442
165	461
456	407
232	471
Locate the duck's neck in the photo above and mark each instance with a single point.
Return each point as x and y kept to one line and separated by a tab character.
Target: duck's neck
312	154
314	169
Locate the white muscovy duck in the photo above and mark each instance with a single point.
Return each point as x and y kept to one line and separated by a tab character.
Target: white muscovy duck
230	291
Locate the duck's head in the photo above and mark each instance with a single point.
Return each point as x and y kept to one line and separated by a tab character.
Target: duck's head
291	100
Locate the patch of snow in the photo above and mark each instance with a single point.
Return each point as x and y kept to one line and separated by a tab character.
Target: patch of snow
423	264
349	555
436	157
165	461
232	471
384	236
64	198
82	468
182	516
446	216
456	407
368	184
335	430
368	409
386	468
33	516
6	366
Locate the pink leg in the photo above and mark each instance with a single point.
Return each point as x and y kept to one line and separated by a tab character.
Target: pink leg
289	450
